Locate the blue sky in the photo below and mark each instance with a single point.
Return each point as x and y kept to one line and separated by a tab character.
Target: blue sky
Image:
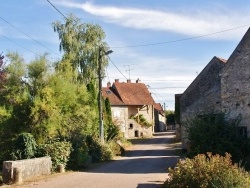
166	68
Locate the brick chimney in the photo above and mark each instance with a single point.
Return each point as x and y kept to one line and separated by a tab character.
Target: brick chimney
128	81
108	84
138	81
116	80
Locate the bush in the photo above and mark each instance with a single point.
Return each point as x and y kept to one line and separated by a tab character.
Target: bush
24	147
117	149
59	151
205	171
79	157
98	152
213	133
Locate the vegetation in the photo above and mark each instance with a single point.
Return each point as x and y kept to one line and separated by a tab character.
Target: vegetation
170	117
216	134
59	151
24	147
205	171
51	108
141	120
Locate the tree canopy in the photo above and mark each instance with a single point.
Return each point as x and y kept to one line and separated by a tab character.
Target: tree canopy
80	43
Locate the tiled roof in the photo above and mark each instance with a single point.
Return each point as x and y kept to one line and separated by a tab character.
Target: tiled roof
122	93
134	93
159	108
109	92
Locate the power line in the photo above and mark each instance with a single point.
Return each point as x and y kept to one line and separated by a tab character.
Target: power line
19	45
180	40
117	68
57	9
28	35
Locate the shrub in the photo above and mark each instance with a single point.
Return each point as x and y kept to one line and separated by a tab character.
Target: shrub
213	133
24	147
205	171
79	157
141	120
98	151
59	151
116	148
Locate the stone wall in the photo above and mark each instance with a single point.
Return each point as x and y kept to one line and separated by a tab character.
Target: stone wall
28	168
203	95
235	80
135	130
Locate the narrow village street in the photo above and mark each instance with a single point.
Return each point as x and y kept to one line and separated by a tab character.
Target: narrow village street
144	165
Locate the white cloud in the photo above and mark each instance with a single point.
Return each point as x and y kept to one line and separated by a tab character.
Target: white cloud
193	23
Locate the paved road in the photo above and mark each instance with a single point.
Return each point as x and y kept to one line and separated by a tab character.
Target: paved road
143	166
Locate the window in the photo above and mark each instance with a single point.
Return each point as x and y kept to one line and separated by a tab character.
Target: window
131	125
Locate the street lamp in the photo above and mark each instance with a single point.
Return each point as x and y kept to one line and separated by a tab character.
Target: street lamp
101	54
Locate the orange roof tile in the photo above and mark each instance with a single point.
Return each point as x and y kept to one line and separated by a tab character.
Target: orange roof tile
128	94
111	94
134	93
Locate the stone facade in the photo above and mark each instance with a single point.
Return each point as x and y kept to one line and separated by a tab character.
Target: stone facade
121	116
203	95
130	99
223	86
235	81
28	168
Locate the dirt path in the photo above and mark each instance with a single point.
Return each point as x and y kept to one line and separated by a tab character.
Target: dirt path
143	166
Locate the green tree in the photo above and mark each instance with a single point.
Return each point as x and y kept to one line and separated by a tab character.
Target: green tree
170	117
80	43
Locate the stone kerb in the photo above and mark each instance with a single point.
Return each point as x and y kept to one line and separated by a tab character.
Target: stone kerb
25	169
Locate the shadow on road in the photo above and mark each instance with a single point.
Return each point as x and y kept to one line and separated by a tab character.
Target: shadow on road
138	165
145	156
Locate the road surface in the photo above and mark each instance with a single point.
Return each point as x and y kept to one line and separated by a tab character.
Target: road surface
143	166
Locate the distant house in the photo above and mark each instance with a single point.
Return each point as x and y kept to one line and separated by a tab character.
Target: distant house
130	104
160	119
222	86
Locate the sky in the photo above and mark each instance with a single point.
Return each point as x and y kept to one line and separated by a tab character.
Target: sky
164	43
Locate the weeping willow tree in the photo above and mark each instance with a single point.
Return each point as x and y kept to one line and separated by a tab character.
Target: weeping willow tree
80	43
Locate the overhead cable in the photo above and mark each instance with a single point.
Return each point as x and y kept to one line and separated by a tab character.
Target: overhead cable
28	35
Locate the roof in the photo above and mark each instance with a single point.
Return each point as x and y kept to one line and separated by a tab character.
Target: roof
159	108
221	59
122	93
111	94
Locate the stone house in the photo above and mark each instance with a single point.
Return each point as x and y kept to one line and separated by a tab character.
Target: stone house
203	95
222	86
160	119
235	81
129	101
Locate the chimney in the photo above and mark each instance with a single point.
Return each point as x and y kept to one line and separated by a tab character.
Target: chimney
128	81
138	81
108	84
116	80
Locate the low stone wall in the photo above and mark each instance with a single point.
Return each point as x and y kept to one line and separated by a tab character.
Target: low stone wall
25	169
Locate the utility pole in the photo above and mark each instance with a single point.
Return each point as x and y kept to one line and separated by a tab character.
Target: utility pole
101	52
101	132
